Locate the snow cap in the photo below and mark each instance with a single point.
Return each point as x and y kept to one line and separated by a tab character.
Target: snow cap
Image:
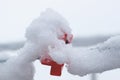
49	20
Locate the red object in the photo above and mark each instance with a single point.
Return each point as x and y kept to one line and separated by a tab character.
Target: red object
56	69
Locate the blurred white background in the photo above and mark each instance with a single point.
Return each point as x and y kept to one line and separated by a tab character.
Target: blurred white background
86	17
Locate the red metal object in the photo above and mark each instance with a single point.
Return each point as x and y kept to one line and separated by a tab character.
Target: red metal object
56	69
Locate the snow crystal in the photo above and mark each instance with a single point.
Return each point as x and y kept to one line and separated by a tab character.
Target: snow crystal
95	59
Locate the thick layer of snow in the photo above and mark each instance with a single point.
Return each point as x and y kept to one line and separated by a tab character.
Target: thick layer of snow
45	31
49	25
96	59
18	67
44	36
4	56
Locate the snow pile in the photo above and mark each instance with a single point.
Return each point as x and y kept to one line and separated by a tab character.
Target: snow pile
95	59
44	36
45	31
5	55
49	25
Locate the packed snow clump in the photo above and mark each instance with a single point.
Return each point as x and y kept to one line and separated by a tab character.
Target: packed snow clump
45	31
95	59
54	25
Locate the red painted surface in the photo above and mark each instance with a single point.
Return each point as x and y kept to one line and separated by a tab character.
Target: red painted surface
56	69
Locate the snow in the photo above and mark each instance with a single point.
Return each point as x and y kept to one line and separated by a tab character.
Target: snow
47	30
34	37
5	55
43	72
85	60
18	67
90	19
52	23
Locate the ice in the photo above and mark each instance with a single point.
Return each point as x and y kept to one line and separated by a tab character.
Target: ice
85	60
